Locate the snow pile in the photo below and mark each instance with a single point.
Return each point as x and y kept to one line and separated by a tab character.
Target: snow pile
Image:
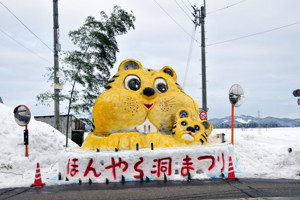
264	153
46	146
259	153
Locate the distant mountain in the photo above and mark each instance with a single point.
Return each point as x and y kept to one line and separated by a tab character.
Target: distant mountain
244	121
241	121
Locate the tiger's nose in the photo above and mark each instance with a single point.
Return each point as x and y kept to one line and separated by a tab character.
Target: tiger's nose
190	129
148	91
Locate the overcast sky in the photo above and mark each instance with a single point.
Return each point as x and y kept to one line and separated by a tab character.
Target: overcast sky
265	64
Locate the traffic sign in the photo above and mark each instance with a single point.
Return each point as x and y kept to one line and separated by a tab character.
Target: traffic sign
296	93
203	115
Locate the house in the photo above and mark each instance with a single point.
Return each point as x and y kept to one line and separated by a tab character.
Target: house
76	126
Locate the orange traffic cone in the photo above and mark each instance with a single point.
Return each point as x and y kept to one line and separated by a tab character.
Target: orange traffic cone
38	177
231	175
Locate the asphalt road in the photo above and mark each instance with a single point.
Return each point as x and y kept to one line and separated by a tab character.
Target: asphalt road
194	189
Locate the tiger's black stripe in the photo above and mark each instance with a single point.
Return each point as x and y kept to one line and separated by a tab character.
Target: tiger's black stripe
111	81
107	87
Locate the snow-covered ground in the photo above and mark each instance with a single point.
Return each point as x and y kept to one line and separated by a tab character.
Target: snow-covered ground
259	153
263	153
46	145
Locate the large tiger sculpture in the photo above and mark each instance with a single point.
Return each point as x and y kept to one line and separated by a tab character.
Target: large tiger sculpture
137	102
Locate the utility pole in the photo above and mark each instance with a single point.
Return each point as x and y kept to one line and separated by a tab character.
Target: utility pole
57	86
258	122
200	15
202	22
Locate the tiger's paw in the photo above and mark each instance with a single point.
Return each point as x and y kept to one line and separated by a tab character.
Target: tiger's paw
157	140
130	140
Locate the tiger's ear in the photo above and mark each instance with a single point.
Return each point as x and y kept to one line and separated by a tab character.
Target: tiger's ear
170	71
182	113
129	64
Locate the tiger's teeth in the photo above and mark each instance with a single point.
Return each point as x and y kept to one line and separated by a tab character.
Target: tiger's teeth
145	127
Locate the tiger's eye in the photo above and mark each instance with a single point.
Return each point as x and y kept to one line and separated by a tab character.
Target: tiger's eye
161	85
197	128
132	82
183	123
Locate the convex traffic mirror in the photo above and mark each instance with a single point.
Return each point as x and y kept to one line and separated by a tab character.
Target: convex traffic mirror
22	115
236	95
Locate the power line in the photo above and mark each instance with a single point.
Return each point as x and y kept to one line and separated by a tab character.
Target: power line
183	10
189	58
187	6
213	11
24	46
175	21
254	34
25	26
190	3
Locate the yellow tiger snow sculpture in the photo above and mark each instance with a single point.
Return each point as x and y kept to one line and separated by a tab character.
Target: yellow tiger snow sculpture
188	130
139	106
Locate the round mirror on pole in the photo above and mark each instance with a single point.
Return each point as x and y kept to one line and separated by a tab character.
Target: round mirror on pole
22	118
236	95
22	115
236	98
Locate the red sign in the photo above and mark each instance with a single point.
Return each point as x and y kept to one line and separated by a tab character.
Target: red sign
203	115
298	101
296	93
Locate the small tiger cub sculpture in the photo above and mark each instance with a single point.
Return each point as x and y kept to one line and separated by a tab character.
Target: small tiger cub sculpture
188	130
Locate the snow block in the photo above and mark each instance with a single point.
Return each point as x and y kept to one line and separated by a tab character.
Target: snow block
146	164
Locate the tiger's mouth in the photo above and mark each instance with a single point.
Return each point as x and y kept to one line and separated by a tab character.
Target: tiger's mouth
188	136
148	105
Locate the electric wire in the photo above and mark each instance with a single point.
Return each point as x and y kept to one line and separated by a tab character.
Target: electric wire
183	10
190	3
213	11
254	34
24	46
25	26
175	21
187	6
189	57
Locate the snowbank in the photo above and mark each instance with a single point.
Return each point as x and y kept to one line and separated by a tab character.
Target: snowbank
263	153
258	153
46	145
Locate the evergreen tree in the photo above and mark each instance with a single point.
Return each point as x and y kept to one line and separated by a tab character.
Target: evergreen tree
89	66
